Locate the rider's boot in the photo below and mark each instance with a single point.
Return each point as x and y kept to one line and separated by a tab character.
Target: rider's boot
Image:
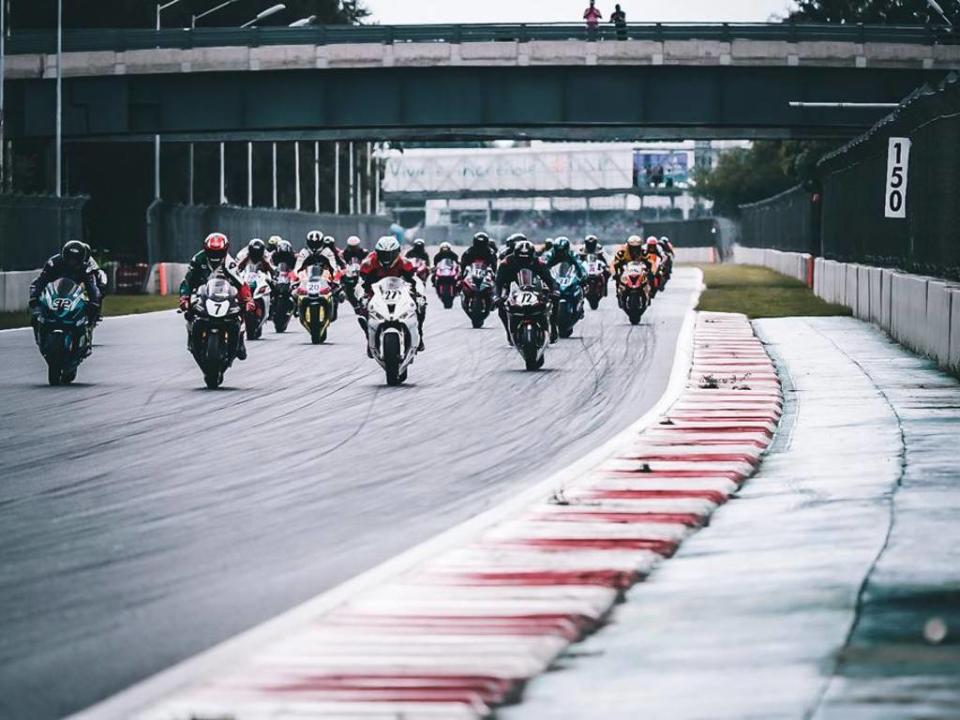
241	348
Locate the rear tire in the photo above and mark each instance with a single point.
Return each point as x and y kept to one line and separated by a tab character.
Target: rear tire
391	359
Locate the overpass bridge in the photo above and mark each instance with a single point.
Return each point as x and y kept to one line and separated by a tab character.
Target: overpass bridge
659	81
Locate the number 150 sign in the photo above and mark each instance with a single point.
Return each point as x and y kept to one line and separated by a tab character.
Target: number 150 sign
898	163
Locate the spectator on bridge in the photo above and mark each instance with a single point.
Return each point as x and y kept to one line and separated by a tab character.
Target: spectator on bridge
619	20
593	17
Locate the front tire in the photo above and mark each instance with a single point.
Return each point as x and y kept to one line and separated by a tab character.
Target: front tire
391	359
316	332
531	350
212	370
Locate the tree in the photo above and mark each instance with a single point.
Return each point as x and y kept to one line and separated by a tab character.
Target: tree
891	12
40	14
765	169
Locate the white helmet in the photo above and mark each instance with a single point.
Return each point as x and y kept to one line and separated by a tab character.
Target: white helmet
353	241
388	250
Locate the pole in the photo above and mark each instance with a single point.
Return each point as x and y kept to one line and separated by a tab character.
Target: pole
156	167
376	186
223	174
336	178
316	176
353	173
274	174
249	174
296	172
3	144
59	94
190	174
369	189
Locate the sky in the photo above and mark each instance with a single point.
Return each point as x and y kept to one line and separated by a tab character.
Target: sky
398	12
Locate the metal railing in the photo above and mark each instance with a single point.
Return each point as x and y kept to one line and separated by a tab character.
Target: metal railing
90	40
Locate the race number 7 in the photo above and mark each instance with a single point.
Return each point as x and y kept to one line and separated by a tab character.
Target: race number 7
898	165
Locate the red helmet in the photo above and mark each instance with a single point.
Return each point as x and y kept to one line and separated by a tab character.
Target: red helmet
216	246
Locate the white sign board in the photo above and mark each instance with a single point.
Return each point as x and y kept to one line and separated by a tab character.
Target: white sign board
548	170
898	165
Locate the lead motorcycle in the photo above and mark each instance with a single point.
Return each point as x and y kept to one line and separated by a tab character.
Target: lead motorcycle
596	280
477	293
63	331
215	324
316	303
528	315
633	291
446	281
570	303
392	329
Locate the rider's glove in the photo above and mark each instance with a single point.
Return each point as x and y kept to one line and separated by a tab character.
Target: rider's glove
184	303
251	307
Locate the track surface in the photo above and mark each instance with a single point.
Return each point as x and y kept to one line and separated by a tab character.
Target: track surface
144	518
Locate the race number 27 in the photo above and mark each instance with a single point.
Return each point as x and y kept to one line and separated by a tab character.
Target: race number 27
898	164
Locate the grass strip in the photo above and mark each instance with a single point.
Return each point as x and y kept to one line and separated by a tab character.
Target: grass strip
112	306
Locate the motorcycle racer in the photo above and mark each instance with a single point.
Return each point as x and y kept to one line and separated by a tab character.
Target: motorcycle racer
524	257
386	261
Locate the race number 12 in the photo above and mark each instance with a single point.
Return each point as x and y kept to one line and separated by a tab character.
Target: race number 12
898	163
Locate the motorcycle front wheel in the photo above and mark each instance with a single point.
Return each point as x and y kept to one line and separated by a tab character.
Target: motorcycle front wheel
391	360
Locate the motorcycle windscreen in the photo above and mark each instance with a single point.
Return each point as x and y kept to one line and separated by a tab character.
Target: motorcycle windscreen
218	289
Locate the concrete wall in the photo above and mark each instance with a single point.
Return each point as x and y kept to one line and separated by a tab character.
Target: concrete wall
15	290
921	313
799	266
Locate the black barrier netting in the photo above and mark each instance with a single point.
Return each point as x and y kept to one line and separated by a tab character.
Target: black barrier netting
176	232
854	226
34	227
685	233
788	221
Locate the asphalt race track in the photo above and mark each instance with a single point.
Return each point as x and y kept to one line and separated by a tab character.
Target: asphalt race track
144	518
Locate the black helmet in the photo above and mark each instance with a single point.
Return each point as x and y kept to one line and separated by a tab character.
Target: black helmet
524	250
590	243
314	241
561	246
419	243
514	239
75	254
480	240
256	250
284	246
329	241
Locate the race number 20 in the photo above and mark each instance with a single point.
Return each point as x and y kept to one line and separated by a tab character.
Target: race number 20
898	163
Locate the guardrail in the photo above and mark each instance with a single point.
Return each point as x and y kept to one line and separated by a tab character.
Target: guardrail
89	40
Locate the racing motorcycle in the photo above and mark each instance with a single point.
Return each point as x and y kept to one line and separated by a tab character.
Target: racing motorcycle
596	280
633	291
666	270
528	313
477	293
350	279
421	269
260	290
570	304
63	332
654	276
315	298
392	331
282	306
446	280
215	326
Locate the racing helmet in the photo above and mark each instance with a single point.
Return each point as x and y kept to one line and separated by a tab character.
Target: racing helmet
274	242
419	243
590	243
314	241
514	239
284	246
445	247
329	241
652	244
353	241
215	246
75	254
388	250
256	249
561	246
480	240
524	250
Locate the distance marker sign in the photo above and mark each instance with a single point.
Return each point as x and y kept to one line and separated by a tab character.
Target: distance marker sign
898	164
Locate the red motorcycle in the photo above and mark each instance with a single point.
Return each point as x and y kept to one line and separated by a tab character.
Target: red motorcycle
477	293
633	291
596	288
446	281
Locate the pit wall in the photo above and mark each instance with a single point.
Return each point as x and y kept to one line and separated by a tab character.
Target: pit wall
921	313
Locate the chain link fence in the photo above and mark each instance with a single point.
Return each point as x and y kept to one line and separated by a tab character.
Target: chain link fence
927	240
789	221
175	232
34	227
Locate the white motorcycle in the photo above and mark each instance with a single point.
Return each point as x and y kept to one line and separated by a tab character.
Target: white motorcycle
261	291
392	329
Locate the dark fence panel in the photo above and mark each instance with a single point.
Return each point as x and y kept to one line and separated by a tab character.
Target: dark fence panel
927	241
788	221
685	233
34	227
175	232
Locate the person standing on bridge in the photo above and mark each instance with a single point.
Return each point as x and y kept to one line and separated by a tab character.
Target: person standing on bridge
619	20
593	16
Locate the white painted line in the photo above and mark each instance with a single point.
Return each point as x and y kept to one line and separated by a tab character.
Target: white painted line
231	652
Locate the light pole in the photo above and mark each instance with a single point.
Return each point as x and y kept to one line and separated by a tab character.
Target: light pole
3	146
263	15
156	138
59	97
194	18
